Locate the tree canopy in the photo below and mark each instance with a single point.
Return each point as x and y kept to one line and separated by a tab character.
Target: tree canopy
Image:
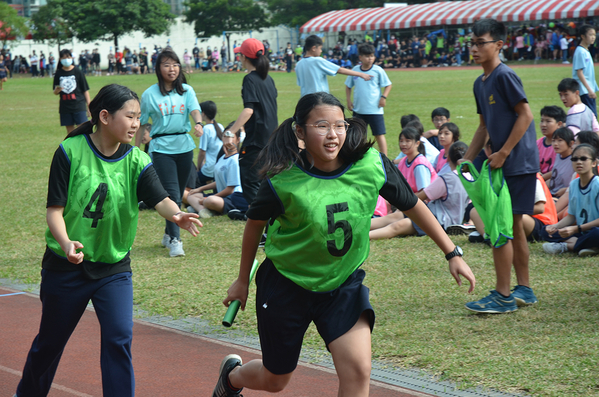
109	19
12	25
212	17
49	24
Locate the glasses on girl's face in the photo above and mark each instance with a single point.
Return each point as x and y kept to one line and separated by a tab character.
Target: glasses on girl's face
323	127
171	65
581	158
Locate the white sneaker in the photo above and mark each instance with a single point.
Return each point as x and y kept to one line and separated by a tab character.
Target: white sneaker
206	213
589	251
166	239
555	248
176	248
456	230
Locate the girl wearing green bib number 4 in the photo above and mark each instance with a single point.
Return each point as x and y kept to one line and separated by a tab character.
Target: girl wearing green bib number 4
320	200
96	181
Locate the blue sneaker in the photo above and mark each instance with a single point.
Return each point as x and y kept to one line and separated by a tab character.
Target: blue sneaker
494	303
524	295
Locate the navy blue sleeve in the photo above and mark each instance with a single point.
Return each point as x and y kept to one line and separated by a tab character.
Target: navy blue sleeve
149	188
510	85
396	190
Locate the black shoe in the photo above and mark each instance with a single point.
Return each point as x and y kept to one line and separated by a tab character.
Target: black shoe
475	237
237	215
222	388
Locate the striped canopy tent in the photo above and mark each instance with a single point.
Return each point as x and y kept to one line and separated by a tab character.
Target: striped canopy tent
449	13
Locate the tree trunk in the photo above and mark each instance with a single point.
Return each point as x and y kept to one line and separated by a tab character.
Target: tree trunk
228	35
116	42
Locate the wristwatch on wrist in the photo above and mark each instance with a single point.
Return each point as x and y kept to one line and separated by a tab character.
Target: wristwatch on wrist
456	252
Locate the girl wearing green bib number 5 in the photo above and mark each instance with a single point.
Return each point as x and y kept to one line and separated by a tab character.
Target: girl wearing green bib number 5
96	181
320	201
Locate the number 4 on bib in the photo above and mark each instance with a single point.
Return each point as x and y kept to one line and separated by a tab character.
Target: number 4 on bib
98	198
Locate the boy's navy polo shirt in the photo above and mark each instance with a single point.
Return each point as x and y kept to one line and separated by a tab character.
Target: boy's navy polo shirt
496	98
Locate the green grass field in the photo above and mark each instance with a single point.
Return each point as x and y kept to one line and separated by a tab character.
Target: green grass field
546	350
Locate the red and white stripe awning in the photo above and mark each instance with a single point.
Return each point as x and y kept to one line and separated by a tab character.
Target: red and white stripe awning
449	13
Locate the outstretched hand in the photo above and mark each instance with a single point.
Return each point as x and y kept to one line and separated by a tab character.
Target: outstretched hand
457	267
188	221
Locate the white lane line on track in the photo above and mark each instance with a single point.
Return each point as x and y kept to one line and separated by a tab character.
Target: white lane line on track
54	385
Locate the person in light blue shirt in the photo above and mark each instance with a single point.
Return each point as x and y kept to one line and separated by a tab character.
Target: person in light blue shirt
368	101
227	182
169	103
210	143
583	68
312	70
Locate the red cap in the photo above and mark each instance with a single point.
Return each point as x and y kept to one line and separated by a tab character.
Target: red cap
250	48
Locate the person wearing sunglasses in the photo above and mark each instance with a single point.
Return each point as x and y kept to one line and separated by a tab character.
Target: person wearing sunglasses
579	230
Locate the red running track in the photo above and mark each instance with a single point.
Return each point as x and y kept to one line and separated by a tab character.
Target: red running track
167	362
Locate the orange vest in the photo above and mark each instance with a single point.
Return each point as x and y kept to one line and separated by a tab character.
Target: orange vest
549	216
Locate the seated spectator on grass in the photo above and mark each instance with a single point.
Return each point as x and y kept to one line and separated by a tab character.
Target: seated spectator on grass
552	118
414	166
229	195
439	116
580	116
413	121
561	174
446	198
579	230
449	133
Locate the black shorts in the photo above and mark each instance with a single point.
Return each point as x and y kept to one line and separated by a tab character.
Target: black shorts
76	118
375	121
235	201
522	192
203	179
535	235
285	310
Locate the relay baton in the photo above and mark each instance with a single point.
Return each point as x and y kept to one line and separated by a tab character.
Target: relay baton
234	306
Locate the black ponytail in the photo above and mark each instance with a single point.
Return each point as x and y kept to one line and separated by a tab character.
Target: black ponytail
262	64
282	150
85	128
209	110
219	131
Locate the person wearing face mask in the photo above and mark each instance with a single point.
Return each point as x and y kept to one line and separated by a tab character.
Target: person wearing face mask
70	83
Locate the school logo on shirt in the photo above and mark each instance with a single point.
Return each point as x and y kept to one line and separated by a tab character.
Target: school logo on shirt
491	100
68	84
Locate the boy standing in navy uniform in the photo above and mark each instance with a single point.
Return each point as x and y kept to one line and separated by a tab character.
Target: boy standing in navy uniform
507	121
